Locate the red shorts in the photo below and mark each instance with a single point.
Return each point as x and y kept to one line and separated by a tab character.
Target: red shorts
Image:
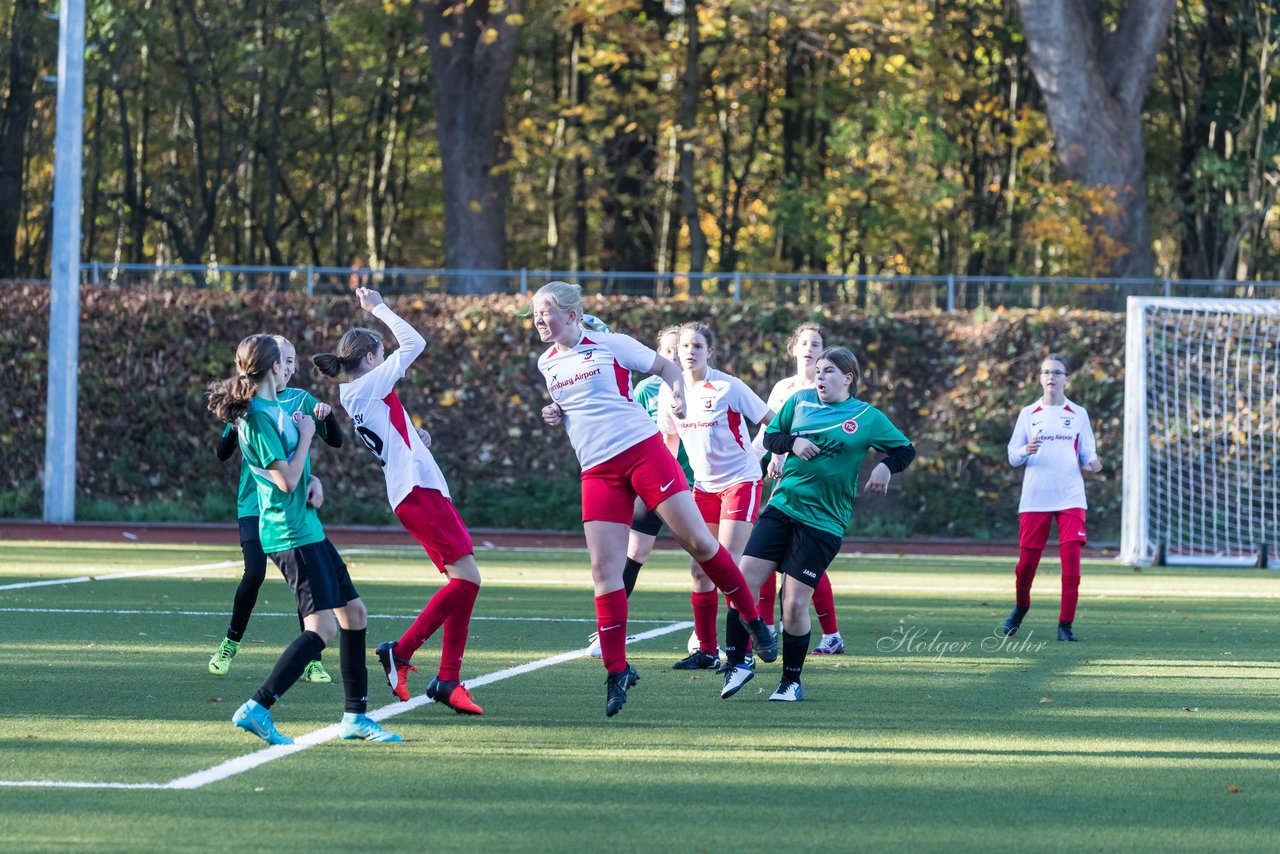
647	470
738	503
1033	528
434	522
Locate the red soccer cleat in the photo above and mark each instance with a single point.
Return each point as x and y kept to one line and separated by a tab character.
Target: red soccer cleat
453	694
397	676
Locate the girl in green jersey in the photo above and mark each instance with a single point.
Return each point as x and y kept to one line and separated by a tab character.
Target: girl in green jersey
826	432
255	561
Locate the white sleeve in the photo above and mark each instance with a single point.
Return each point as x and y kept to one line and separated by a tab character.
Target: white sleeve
666	423
777	396
1088	445
379	382
747	401
1018	442
630	353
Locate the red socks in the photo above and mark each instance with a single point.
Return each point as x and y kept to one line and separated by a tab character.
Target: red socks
1025	573
611	623
824	605
705	606
724	573
450	607
1070	580
769	597
1029	559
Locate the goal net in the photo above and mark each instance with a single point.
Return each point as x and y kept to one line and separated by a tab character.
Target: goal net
1202	432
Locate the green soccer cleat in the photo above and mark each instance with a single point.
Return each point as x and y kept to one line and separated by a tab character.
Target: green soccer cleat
316	674
221	661
362	727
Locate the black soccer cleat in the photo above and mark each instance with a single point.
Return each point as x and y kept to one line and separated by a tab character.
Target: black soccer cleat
1065	633
699	660
763	640
1011	622
615	688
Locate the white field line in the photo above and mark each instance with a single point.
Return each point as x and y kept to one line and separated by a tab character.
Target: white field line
111	576
241	764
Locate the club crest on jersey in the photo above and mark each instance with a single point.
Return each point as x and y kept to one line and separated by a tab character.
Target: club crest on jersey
850	426
708	404
586	357
1066	422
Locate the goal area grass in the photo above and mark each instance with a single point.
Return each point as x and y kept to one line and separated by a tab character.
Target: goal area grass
1157	731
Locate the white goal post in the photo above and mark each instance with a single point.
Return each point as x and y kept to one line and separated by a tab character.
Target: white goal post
1201	432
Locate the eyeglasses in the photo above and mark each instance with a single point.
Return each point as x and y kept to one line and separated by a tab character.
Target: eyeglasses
1053	373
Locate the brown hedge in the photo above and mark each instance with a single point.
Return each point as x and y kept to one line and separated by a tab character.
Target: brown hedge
954	383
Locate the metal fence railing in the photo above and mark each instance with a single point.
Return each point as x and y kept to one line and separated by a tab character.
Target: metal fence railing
874	293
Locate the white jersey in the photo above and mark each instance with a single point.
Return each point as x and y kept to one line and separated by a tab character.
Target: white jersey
714	429
591	381
380	420
782	391
1053	481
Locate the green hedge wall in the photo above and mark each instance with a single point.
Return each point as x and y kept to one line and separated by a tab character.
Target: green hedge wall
954	383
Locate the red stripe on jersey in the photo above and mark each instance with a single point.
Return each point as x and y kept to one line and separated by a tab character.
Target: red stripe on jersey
398	420
1037	409
623	378
1066	408
735	421
586	340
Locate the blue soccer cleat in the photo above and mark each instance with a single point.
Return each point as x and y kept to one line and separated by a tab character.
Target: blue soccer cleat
253	718
361	726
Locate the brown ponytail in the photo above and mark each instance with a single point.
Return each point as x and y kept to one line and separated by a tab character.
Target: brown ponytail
354	346
229	399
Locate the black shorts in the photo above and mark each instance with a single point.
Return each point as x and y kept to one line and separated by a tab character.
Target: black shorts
317	575
645	521
799	550
248	529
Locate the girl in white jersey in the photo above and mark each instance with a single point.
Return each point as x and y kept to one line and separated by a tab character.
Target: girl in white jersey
727	487
806	344
418	494
588	374
1053	439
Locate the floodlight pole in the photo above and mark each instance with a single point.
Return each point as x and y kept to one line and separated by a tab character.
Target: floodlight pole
64	289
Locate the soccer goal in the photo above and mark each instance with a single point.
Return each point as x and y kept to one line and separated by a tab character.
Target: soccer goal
1201	432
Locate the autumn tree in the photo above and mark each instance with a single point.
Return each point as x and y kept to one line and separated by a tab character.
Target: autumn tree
1094	76
473	51
27	53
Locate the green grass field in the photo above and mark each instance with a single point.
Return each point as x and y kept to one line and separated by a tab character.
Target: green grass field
1158	731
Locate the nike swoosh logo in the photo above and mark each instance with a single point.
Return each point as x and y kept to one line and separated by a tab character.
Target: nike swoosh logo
1081	534
610	628
667	485
734	512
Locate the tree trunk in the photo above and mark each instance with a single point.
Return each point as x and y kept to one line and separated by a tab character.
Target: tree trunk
15	121
688	150
1093	83
473	52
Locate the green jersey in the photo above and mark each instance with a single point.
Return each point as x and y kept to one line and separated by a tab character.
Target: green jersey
266	435
291	400
647	396
820	492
